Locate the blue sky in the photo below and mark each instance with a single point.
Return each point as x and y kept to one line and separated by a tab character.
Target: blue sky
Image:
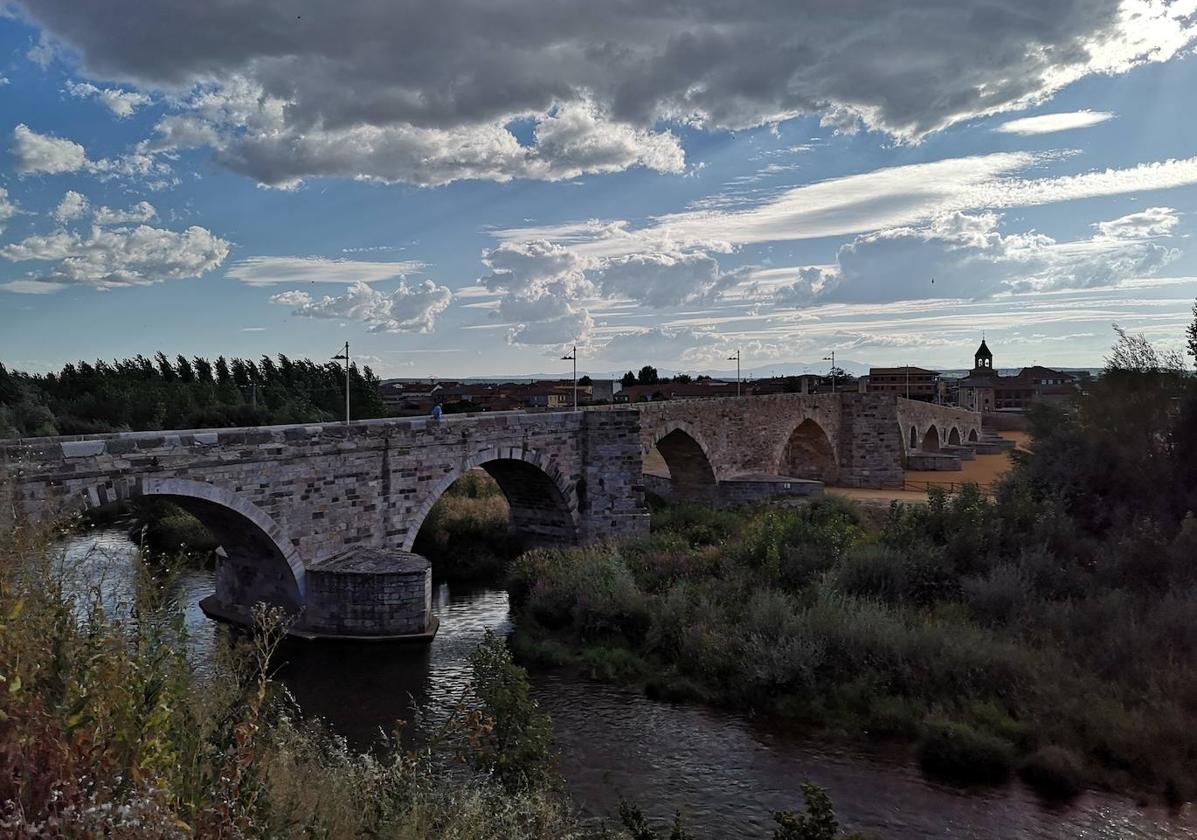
470	188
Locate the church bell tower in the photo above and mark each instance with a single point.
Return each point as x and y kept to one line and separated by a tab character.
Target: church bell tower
983	359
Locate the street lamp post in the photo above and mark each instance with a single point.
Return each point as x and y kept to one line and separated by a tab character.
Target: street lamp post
573	357
737	359
345	356
831	359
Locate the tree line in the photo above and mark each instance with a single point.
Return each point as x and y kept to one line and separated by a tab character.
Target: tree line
145	394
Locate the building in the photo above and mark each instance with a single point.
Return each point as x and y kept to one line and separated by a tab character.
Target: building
914	383
984	389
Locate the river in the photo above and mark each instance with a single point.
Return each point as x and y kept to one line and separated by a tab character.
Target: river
721	771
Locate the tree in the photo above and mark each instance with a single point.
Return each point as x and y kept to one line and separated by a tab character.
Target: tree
515	742
223	377
1191	335
628	379
648	376
184	369
585	380
683	379
164	369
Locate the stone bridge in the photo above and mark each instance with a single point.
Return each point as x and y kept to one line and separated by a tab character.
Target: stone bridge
285	503
727	449
322	518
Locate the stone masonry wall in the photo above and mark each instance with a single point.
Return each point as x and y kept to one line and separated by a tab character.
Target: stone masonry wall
923	415
313	491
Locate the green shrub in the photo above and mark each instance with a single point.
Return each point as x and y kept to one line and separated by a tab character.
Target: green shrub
873	571
516	742
996	597
958	753
1053	772
612	664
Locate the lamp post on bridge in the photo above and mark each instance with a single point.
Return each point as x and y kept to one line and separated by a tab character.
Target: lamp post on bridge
737	359
831	359
345	356
573	357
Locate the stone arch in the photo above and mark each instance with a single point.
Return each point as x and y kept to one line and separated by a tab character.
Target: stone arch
258	562
544	507
954	437
691	470
808	453
931	439
972	435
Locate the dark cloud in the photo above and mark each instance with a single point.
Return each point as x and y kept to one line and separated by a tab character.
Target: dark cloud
374	87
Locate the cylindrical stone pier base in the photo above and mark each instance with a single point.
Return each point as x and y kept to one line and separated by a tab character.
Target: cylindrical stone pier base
369	593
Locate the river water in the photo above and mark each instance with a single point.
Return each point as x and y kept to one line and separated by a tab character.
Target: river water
722	772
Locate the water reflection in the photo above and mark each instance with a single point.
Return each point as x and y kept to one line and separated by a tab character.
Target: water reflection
725	774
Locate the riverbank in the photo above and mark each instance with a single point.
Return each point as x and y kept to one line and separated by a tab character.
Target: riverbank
114	723
986	663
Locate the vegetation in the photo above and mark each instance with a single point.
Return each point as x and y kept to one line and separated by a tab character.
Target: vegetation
818	823
147	394
1046	630
466	534
107	730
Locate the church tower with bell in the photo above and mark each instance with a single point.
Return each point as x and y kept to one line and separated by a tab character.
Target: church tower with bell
983	359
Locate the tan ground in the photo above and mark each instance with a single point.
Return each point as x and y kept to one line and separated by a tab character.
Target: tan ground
984	471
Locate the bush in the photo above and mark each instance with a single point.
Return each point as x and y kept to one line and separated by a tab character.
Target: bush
958	753
997	596
466	534
515	742
873	571
1054	772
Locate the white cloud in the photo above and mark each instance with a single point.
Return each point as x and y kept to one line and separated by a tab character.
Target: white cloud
546	318
8	208
432	99
881	199
574	140
121	103
32	287
1152	222
269	271
662	278
1048	123
35	152
46	154
407	309
548	290
965	256
72	206
142	211
4	80
107	259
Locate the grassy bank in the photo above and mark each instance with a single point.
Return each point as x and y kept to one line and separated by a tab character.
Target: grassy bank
107	730
987	633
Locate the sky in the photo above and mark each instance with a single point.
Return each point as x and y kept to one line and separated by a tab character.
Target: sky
472	187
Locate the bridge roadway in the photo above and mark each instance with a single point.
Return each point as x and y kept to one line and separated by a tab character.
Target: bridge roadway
286	502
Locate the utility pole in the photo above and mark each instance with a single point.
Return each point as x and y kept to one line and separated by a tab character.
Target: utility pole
573	356
831	359
907	381
737	358
345	356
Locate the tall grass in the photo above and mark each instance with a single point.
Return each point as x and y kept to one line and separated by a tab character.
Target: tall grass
107	730
466	534
962	625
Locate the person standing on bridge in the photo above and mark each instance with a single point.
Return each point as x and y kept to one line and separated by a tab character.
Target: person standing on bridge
436	412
